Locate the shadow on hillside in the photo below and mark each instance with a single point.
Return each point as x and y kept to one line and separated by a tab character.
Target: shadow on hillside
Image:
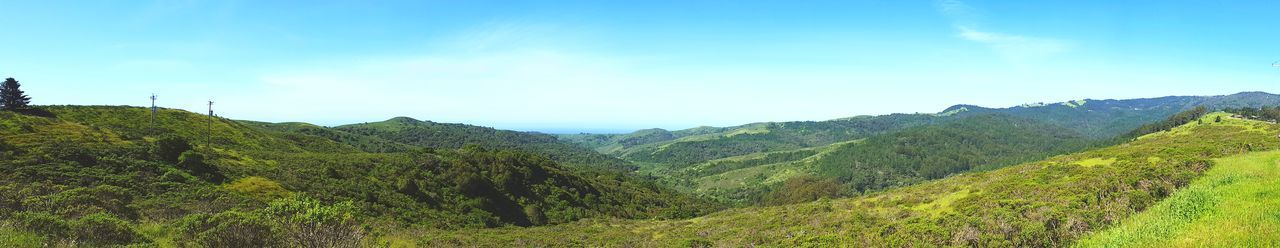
35	112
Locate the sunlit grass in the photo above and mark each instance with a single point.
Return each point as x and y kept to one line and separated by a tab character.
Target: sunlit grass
1236	204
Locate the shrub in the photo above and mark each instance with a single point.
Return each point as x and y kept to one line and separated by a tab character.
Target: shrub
103	229
169	148
231	229
803	189
194	163
42	223
308	223
260	188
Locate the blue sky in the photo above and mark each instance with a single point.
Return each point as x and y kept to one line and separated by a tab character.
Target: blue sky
619	65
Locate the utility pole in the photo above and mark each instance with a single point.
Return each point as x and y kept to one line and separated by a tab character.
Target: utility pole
209	136
153	110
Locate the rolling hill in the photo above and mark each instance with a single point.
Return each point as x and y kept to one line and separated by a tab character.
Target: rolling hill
1052	202
104	176
956	140
451	136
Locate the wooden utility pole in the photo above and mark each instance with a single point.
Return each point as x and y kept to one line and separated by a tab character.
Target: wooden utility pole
209	136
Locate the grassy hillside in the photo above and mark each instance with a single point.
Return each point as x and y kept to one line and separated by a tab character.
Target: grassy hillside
1236	204
451	136
103	176
914	155
1046	203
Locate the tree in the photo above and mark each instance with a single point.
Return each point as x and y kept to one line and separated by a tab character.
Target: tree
11	97
1217	119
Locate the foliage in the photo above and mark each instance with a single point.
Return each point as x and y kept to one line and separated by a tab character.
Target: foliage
931	152
1046	203
310	223
451	136
11	97
1271	114
88	163
231	229
803	189
1173	121
103	229
170	148
1233	205
259	187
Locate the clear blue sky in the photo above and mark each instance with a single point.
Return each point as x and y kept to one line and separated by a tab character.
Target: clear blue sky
620	65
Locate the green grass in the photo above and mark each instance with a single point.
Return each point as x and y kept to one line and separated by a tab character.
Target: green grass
16	238
1096	162
1236	204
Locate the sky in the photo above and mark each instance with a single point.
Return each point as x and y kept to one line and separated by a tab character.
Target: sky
616	66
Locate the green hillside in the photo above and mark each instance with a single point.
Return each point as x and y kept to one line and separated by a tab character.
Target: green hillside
691	146
742	164
1092	118
1236	204
1052	202
445	135
104	176
914	155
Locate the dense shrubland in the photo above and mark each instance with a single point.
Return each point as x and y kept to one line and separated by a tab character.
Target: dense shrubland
451	136
1045	203
93	169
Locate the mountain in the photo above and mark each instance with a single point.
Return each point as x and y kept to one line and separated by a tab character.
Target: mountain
1093	118
1108	118
104	176
451	136
1052	202
875	152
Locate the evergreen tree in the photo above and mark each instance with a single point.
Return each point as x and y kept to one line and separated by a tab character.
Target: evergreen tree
11	97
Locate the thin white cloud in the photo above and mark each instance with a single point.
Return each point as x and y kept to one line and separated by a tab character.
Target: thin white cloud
1016	48
1013	48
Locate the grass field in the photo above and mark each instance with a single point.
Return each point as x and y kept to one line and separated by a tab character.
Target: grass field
1236	204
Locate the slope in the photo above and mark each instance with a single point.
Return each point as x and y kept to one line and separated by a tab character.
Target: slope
686	147
1095	119
1236	204
95	166
1046	203
445	135
917	154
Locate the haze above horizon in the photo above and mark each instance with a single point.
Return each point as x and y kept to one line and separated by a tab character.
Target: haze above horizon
557	66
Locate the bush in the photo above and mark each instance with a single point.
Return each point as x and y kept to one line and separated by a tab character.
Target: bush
194	162
42	223
312	224
104	230
259	188
231	229
169	148
803	189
